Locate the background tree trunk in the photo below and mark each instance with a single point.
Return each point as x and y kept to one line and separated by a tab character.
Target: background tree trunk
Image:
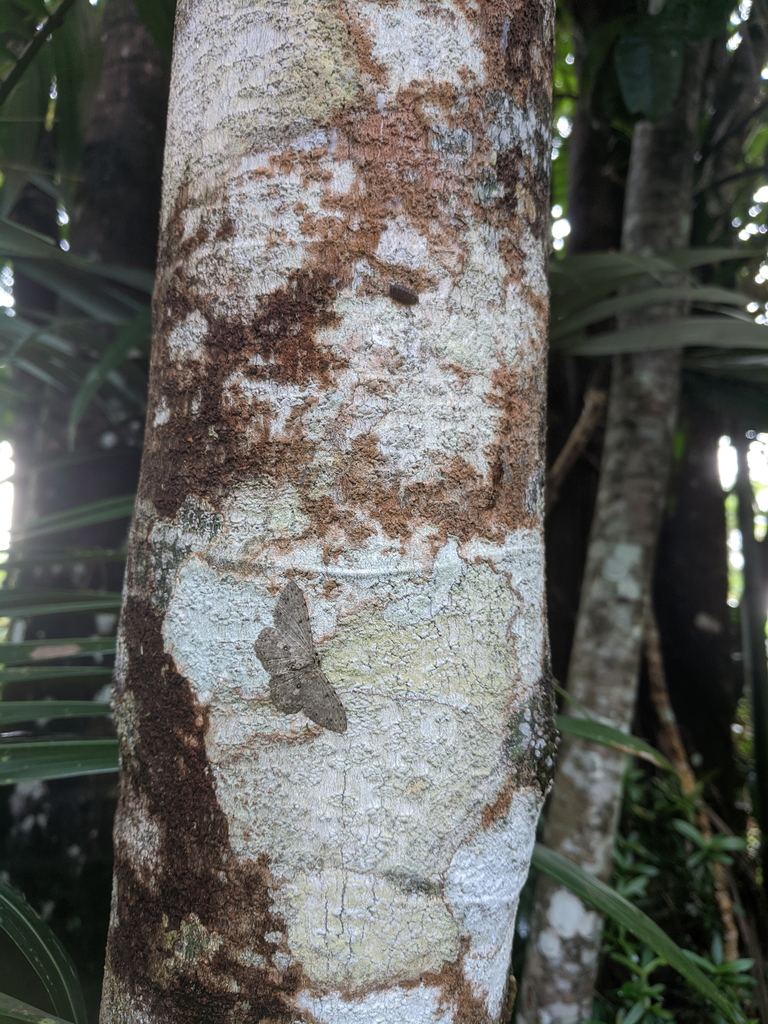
345	408
63	863
562	955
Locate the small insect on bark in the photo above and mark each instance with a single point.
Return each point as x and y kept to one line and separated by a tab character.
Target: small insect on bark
287	652
403	295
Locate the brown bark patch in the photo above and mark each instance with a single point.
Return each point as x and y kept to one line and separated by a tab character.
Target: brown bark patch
499	809
213	434
456	990
524	186
198	881
193	242
225	230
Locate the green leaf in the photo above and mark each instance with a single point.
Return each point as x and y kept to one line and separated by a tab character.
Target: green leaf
600	44
103	511
686	332
689	831
656	296
30	710
701	256
610	903
93	674
158	16
17	242
596	732
135	334
84	291
55	759
42	650
64	556
44	952
649	65
51	23
15	1012
21	601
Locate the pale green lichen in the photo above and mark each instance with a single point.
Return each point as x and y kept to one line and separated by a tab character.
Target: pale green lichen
370	928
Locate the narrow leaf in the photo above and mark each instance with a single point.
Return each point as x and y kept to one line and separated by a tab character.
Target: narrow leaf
44	650
701	331
83	515
20	602
65	556
91	674
134	335
55	759
620	910
12	711
19	242
608	736
44	952
16	1012
638	300
84	291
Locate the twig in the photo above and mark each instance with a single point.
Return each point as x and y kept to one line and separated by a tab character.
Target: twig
33	47
750	172
672	745
591	415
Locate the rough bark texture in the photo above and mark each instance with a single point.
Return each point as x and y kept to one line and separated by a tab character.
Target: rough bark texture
563	948
307	424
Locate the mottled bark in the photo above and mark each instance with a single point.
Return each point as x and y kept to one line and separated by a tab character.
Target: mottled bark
381	449
563	947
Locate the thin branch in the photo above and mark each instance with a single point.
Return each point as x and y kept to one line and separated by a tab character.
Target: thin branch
736	128
51	23
591	415
732	177
671	743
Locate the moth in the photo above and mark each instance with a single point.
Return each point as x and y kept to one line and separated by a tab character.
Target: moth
403	295
287	652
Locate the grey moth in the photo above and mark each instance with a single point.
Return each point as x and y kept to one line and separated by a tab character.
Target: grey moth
287	652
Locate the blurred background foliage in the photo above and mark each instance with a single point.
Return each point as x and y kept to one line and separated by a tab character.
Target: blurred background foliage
83	90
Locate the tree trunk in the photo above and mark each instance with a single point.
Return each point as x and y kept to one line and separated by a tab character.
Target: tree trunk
328	815
562	956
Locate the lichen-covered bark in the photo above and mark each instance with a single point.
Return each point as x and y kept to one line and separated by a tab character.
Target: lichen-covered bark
308	425
562	953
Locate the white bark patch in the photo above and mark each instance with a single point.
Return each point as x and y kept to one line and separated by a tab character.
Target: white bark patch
233	273
162	413
622	567
266	45
443	49
568	916
561	1013
417	646
485	905
185	341
137	835
366	921
514	126
419	1005
402	244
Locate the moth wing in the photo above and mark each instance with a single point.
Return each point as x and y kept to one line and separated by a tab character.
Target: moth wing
291	619
285	693
278	654
319	700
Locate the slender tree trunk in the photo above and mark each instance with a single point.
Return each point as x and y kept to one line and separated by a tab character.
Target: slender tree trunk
562	959
328	815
